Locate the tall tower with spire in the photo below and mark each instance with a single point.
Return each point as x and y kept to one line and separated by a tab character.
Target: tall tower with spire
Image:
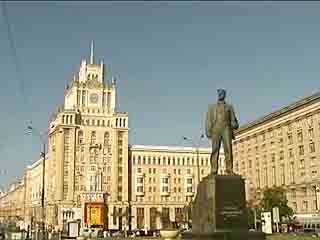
88	144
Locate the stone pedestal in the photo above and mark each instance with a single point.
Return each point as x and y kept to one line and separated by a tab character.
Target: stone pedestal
219	210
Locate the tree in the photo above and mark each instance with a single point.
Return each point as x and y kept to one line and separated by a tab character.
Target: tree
276	197
253	208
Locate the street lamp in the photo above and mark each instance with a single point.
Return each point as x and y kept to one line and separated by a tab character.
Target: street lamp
34	131
197	152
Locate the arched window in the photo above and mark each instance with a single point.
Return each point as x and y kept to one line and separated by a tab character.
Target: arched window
80	137
124	122
106	138
93	137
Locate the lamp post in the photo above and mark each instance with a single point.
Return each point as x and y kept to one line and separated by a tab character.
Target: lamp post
34	131
196	146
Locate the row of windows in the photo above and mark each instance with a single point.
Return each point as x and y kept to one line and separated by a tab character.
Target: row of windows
67	119
164	180
120	122
165	171
300	151
96	122
305	207
264	174
169	160
93	137
263	146
165	189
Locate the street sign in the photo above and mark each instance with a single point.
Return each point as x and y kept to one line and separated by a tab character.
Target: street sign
276	216
266	222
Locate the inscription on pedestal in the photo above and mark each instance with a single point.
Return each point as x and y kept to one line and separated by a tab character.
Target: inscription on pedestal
230	203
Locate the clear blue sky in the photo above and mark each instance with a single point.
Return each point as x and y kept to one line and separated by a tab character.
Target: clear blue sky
170	59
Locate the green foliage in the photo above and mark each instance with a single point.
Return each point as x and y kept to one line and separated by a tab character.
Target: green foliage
276	197
250	211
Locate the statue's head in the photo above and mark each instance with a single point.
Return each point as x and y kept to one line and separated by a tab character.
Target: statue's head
221	94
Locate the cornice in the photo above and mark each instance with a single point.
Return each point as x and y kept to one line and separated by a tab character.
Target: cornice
280	113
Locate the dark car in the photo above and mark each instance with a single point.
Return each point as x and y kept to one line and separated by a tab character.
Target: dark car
2	235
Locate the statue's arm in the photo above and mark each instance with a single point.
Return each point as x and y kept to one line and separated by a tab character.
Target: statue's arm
234	121
208	123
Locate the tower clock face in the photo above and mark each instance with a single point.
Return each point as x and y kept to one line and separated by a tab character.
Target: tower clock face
94	98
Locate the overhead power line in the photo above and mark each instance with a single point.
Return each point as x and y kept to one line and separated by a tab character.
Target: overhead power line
14	54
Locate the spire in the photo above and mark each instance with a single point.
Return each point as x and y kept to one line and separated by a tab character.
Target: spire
91	54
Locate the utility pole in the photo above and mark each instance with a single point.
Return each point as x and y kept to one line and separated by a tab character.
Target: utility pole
43	155
43	187
196	146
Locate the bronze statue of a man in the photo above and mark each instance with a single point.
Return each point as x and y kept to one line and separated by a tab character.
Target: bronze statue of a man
221	121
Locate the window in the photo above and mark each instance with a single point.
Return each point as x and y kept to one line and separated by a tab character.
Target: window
189	189
305	205
282	174
290	139
189	181
258	178
300	136
93	137
273	157
293	193
301	150
83	98
140	180
106	138
93	183
188	171
140	189
80	137
265	177
274	182
294	206
302	164
311	147
290	153
310	132
281	155
165	180
165	189
291	172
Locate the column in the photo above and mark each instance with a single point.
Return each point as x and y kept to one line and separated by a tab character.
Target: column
159	224
147	218
318	197
134	217
172	214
